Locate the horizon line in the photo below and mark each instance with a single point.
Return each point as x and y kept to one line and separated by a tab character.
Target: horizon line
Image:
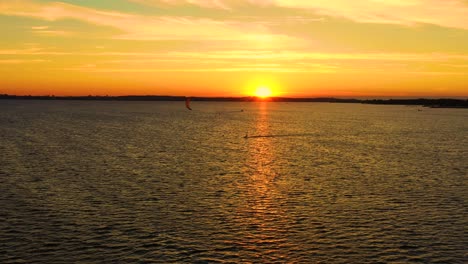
364	97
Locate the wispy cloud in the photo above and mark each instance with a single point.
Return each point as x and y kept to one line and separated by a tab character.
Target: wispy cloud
15	61
39	27
140	27
298	55
223	69
221	4
33	51
53	32
445	13
46	31
232	55
250	61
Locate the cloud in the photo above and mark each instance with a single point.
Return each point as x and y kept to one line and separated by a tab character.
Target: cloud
229	69
287	61
246	55
316	56
139	27
39	28
15	61
218	4
32	51
249	61
46	31
53	32
445	13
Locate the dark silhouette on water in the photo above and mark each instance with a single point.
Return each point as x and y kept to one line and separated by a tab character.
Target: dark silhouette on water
187	103
234	111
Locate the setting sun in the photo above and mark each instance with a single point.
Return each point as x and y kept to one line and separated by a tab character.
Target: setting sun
263	92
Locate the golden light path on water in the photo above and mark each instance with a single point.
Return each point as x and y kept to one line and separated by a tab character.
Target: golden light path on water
267	238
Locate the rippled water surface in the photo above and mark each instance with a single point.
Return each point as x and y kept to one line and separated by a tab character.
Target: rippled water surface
143	182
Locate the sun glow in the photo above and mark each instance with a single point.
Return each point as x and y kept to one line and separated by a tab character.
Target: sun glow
263	92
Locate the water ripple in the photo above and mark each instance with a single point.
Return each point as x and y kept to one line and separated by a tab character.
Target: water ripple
145	182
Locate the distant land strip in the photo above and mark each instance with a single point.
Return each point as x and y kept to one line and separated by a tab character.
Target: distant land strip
433	103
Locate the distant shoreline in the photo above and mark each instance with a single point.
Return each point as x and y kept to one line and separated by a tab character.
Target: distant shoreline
433	103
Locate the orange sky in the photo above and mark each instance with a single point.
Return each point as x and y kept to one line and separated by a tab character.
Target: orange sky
231	48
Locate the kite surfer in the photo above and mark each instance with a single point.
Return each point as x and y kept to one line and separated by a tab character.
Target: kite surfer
187	103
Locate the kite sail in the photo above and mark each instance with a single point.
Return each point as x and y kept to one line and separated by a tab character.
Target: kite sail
187	103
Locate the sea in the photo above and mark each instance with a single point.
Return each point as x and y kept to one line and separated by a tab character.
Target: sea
232	182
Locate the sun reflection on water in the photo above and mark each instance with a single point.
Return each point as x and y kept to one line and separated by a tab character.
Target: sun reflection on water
262	208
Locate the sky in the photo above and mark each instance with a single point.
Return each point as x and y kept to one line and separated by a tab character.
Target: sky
295	48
